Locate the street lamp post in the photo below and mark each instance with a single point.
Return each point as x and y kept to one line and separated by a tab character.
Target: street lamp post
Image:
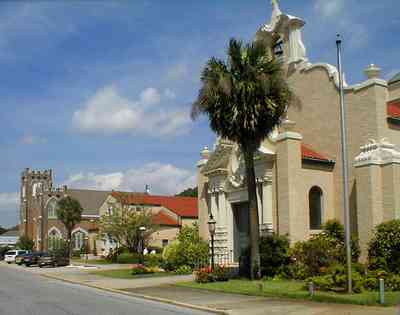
211	229
86	249
142	229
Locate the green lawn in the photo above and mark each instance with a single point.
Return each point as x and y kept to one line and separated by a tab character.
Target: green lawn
92	262
293	289
126	274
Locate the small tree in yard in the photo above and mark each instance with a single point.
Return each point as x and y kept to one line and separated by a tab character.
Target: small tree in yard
69	212
245	99
123	224
25	243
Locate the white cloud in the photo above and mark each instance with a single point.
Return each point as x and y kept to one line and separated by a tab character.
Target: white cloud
329	8
108	112
9	210
8	200
31	139
162	178
150	96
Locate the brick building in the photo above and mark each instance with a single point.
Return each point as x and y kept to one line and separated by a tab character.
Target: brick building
39	220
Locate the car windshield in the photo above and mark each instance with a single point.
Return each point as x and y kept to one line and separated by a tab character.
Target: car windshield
10	253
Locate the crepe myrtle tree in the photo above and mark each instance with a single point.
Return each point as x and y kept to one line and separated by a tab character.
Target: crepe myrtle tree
245	98
123	224
69	212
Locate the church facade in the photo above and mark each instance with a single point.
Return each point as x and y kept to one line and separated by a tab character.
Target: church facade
298	168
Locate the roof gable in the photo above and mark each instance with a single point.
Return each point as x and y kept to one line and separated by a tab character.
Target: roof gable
90	200
183	206
161	218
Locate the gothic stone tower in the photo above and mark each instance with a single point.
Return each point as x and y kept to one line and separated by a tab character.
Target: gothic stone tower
33	185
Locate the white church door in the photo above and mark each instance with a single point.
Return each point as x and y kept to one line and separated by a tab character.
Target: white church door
241	233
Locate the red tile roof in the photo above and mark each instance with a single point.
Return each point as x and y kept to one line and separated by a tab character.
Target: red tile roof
393	109
162	218
183	206
309	153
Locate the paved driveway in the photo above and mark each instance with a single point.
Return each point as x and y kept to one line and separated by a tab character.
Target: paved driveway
27	293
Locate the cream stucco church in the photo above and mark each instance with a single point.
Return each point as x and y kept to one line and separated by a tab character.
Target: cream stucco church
298	168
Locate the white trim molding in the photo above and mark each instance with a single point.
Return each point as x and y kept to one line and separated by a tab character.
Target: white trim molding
377	153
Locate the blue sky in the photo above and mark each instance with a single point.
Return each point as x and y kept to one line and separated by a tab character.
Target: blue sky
100	91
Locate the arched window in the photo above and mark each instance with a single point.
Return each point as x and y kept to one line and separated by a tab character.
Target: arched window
315	203
52	209
78	239
54	239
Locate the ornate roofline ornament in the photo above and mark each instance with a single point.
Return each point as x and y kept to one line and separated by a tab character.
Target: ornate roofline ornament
282	23
377	153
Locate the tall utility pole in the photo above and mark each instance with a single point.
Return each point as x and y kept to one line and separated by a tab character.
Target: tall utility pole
345	165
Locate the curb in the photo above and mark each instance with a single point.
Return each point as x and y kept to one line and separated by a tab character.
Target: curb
141	296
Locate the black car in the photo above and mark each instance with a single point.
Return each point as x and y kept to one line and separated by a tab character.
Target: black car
53	260
32	258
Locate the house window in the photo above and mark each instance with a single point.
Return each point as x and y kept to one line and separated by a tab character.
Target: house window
78	240
315	203
52	209
164	243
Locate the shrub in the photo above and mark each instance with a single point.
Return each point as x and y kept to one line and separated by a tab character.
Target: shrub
24	242
336	280
384	248
128	258
139	269
76	253
220	273
204	275
313	257
153	260
189	249
184	270
274	254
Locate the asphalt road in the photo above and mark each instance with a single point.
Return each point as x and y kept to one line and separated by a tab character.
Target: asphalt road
24	293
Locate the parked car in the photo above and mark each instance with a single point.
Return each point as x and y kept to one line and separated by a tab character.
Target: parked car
32	258
9	257
53	260
19	260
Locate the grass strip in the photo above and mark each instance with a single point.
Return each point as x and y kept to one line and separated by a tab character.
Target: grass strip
293	290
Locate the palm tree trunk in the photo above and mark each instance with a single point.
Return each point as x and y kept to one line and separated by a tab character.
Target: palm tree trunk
253	214
69	232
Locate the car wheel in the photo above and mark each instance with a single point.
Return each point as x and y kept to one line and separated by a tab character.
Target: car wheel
8	262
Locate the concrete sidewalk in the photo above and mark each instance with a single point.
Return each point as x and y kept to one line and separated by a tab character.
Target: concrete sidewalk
162	289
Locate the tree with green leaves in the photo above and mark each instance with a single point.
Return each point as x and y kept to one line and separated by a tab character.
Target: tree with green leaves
189	192
245	98
122	224
24	242
69	212
2	230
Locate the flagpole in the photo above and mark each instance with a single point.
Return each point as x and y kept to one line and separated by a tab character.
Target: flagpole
345	165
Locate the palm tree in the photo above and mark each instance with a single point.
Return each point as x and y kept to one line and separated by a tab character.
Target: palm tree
245	98
69	212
